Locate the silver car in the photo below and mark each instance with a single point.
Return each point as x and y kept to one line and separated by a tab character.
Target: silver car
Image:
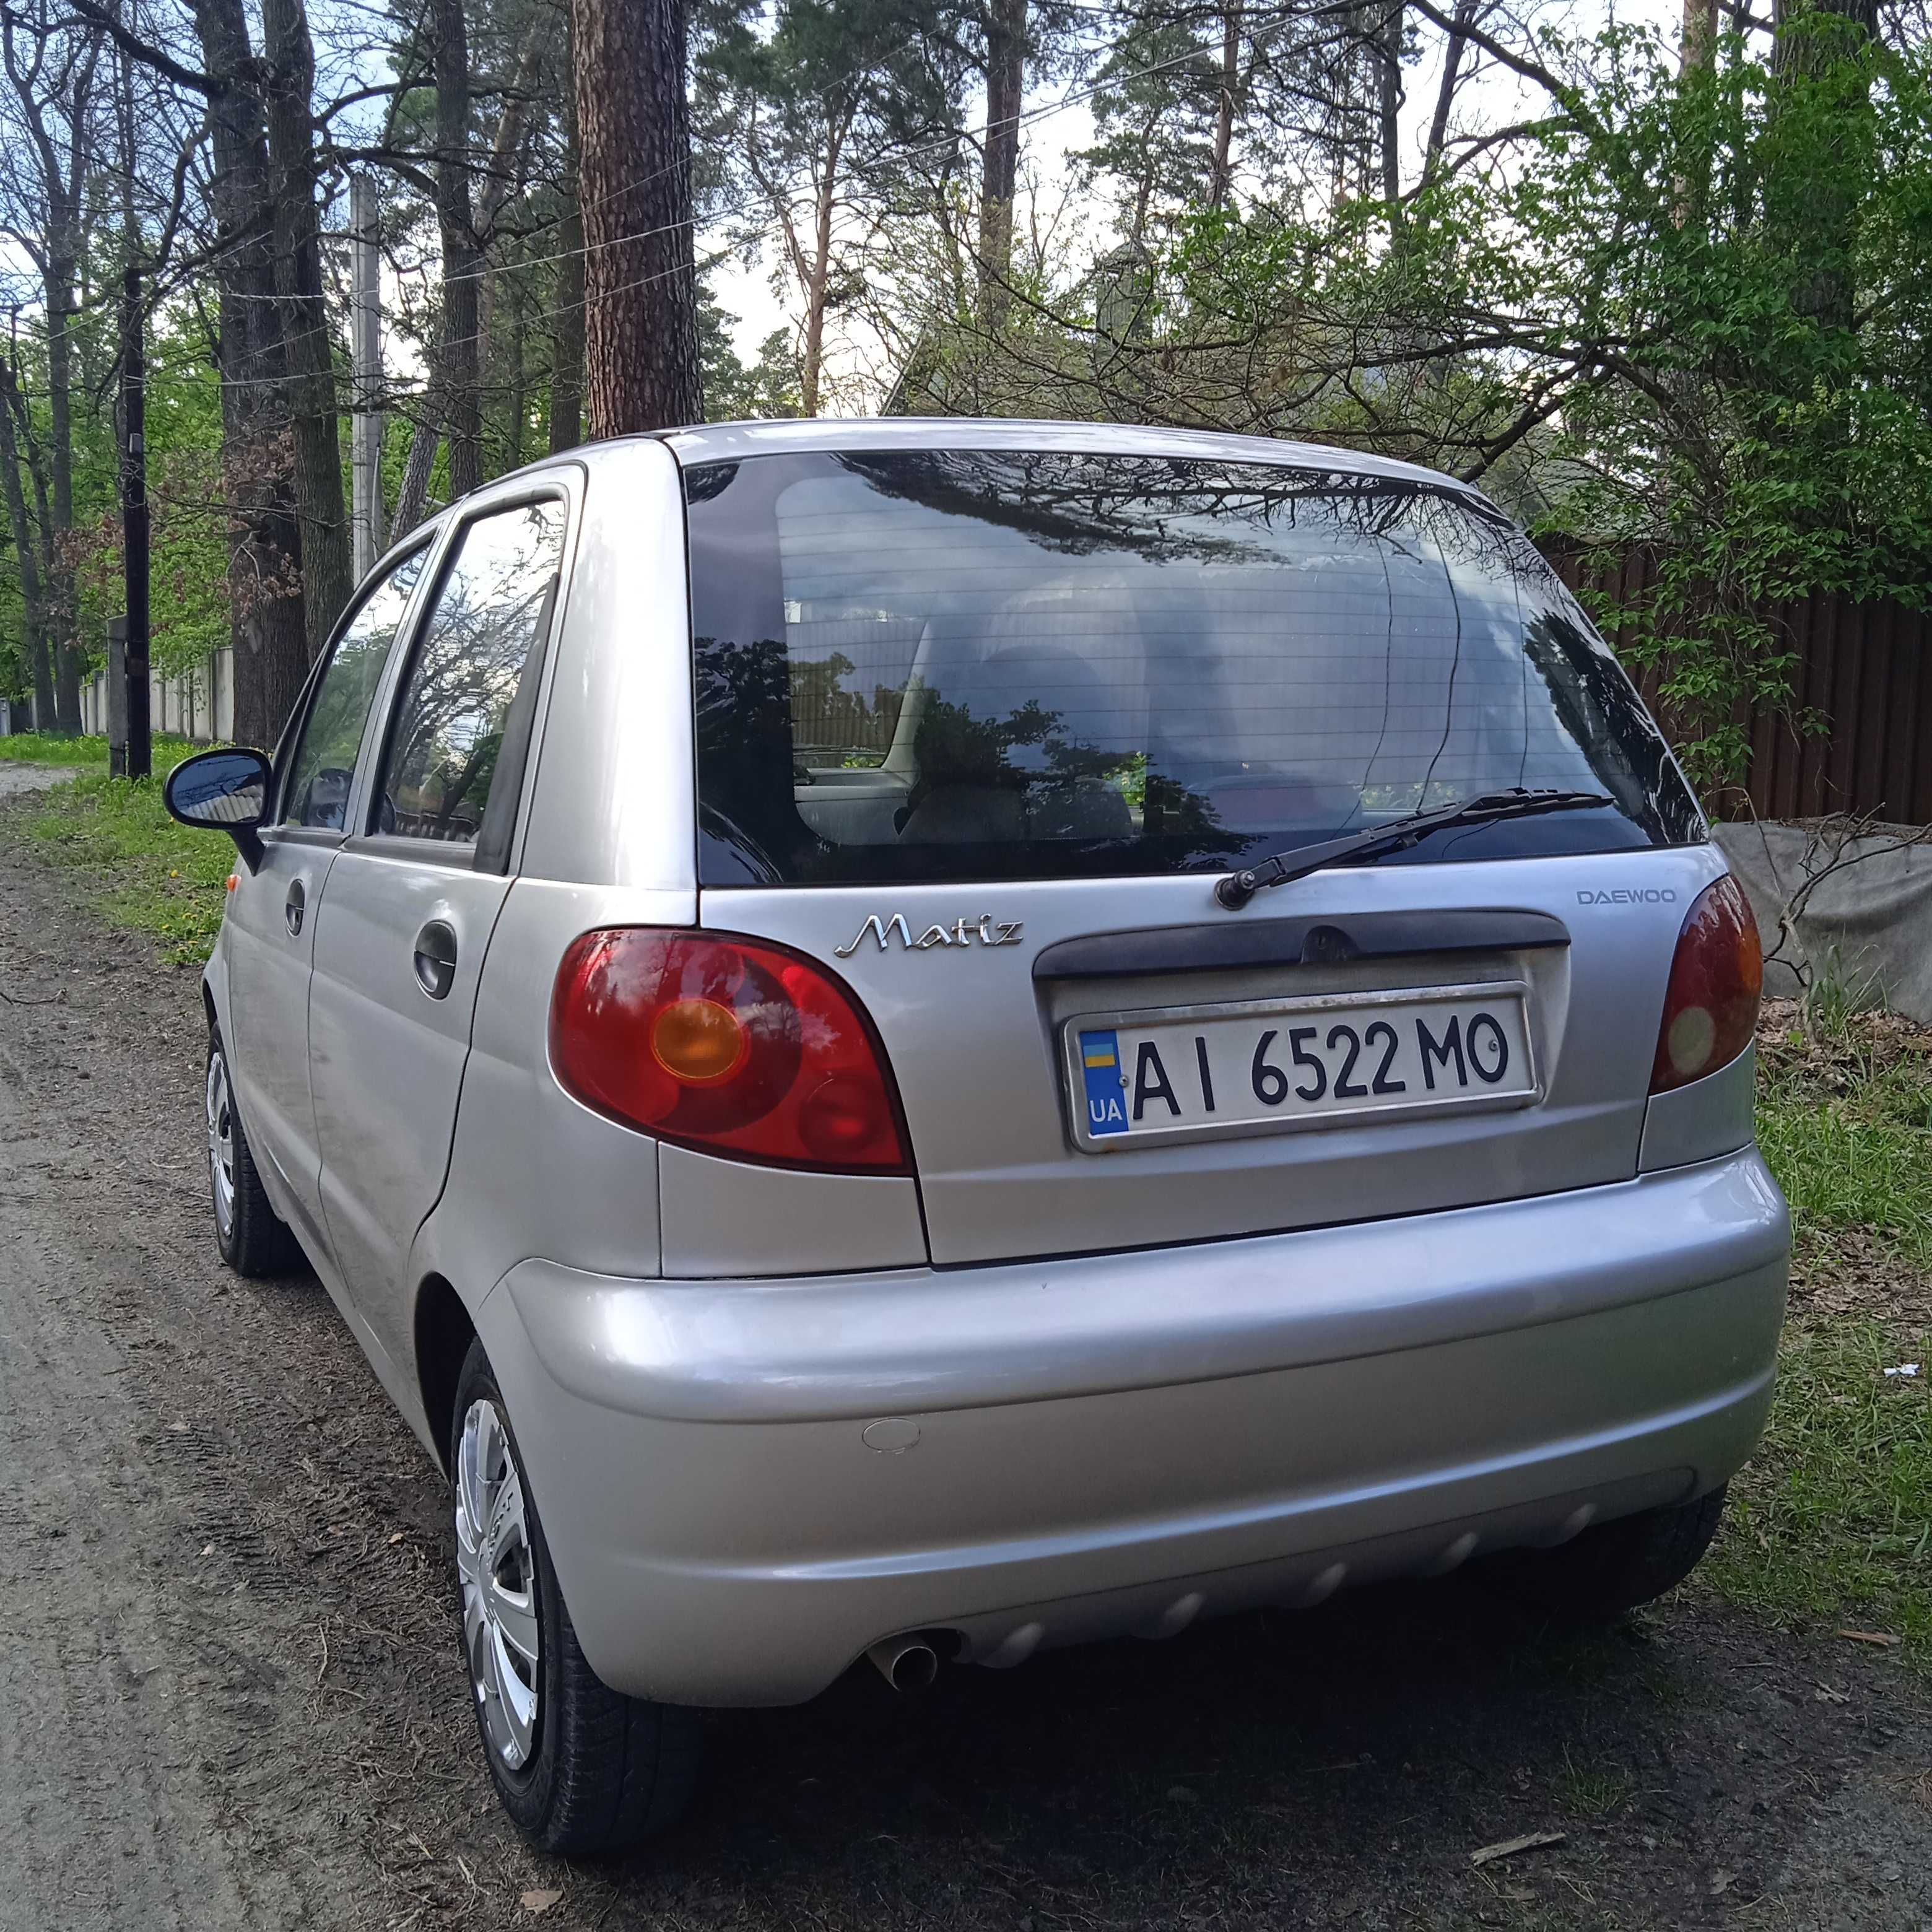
937	1038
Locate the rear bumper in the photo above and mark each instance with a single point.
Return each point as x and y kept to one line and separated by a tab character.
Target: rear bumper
1123	1441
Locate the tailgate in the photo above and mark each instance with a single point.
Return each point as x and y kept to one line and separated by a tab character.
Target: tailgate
1490	1025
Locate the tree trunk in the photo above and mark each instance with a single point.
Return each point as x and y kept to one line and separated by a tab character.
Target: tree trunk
817	275
517	400
1697	51
1221	187
413	497
505	171
462	262
1445	95
327	577
1388	54
266	626
66	240
566	352
1697	55
1818	215
26	543
1005	84
641	366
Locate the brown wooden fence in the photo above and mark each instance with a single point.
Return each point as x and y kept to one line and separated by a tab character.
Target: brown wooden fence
1864	668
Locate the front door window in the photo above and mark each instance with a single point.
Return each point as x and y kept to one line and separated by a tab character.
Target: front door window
489	612
317	792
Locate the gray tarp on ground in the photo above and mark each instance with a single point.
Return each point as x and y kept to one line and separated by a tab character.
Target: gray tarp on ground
1876	915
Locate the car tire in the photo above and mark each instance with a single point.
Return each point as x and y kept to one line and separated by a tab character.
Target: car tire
1611	1568
255	1241
580	1768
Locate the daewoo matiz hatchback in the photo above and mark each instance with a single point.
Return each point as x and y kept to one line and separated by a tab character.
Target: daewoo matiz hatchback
937	1038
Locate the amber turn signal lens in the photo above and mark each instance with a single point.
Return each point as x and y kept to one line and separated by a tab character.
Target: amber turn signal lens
698	1042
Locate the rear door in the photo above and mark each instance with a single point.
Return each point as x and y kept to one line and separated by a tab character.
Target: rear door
269	931
980	730
413	896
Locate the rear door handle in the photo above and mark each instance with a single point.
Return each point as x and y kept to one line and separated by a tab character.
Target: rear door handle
294	906
436	959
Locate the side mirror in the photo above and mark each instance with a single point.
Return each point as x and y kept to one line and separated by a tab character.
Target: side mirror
224	791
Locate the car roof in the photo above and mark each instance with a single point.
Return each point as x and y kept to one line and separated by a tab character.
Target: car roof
722	442
730	442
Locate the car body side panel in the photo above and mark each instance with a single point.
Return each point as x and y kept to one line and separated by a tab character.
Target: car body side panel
725	1217
1709	1116
615	800
533	1172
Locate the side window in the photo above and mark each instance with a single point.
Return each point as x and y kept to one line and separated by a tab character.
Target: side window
317	793
473	644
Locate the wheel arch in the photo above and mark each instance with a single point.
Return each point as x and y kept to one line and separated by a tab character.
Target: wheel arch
443	1334
214	984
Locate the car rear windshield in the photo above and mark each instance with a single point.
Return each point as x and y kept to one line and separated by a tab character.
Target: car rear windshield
958	664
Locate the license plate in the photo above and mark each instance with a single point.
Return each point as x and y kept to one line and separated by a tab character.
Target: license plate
1254	1065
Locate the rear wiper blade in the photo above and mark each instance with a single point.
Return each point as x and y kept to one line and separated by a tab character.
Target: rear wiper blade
1236	889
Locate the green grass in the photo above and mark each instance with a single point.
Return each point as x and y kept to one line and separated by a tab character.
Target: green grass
1594	1791
142	869
1840	1167
1831	1523
43	747
1845	1119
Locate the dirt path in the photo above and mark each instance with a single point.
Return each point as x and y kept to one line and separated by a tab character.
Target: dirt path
232	1696
16	778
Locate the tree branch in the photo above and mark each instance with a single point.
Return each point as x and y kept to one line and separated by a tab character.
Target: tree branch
145	51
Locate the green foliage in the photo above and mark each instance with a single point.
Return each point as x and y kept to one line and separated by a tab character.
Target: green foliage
1685	311
189	611
734	393
1769	441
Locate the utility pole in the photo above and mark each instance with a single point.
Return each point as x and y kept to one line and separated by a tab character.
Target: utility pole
134	520
366	347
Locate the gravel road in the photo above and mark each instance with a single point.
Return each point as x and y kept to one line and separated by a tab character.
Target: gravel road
231	1694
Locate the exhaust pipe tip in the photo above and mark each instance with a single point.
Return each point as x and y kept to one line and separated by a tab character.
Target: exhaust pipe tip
907	1663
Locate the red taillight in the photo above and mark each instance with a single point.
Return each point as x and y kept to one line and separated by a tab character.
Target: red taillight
721	1043
1710	1010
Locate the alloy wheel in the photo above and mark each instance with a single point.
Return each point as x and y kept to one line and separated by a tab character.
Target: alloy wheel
501	1635
221	1142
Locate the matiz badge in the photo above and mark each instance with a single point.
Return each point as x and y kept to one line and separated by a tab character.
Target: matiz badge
984	931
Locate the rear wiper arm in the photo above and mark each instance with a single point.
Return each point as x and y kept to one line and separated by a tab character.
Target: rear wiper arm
1236	889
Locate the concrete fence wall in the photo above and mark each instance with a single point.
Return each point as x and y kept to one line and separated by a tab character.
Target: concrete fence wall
1866	923
198	704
